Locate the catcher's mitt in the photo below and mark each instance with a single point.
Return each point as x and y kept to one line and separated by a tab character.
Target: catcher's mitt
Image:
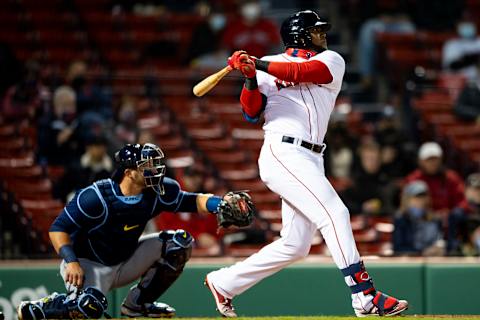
235	209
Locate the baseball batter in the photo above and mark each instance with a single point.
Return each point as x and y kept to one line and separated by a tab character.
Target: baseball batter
296	92
98	236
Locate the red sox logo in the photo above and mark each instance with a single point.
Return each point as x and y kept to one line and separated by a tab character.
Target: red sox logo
364	276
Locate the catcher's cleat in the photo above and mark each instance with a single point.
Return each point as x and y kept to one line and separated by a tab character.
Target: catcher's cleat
224	305
384	305
150	310
50	307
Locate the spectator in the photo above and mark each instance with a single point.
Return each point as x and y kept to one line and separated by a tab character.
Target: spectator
462	54
250	32
206	39
125	129
58	138
395	147
95	164
391	20
464	221
372	191
339	155
467	106
445	185
90	96
23	100
417	230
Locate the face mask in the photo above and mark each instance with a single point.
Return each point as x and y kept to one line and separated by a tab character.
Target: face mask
251	11
416	213
217	22
467	30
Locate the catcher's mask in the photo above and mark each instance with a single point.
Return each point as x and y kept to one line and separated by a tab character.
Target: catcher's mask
148	159
295	30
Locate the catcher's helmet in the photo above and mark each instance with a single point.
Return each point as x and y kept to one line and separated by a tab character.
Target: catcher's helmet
149	159
294	30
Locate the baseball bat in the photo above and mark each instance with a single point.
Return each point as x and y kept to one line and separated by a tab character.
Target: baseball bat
211	81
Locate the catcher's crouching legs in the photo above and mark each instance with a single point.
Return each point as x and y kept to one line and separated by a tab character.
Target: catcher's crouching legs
140	301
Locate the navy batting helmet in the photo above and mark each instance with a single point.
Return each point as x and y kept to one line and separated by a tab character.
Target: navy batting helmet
149	159
295	29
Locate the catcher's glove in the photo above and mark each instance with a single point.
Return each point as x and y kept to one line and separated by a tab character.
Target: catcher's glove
235	209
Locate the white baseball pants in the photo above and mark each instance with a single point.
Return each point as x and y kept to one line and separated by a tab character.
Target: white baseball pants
309	202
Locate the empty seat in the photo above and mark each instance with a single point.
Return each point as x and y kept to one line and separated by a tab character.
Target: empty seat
40	189
17	162
223	143
34	171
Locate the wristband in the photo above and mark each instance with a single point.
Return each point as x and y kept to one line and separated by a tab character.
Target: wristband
212	203
67	253
261	65
251	83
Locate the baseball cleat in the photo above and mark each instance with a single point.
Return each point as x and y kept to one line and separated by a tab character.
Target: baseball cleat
28	310
385	306
150	310
224	305
50	307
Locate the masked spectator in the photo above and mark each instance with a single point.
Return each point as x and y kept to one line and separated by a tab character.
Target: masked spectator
445	185
462	54
417	231
58	136
251	32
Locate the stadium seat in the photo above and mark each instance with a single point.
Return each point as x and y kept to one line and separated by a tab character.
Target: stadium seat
37	189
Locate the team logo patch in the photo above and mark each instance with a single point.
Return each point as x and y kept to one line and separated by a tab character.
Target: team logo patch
92	307
284	84
364	276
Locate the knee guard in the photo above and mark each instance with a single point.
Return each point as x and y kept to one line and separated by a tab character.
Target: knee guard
177	248
90	304
176	251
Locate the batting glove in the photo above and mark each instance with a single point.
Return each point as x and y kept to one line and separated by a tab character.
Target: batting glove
248	68
237	58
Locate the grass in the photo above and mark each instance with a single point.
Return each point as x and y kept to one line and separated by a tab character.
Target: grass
414	317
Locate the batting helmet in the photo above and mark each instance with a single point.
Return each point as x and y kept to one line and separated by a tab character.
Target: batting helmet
149	159
294	30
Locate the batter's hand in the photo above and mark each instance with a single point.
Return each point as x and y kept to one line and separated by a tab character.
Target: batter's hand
74	274
237	58
248	68
240	60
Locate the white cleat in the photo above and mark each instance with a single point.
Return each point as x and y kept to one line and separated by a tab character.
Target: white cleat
224	305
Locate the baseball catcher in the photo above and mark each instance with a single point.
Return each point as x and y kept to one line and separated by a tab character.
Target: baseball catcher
98	236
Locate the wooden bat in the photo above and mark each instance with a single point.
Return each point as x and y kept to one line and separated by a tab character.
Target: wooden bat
211	81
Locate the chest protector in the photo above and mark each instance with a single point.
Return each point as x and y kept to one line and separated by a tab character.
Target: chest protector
115	239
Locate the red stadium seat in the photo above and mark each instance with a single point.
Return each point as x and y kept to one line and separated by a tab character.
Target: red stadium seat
34	171
34	189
